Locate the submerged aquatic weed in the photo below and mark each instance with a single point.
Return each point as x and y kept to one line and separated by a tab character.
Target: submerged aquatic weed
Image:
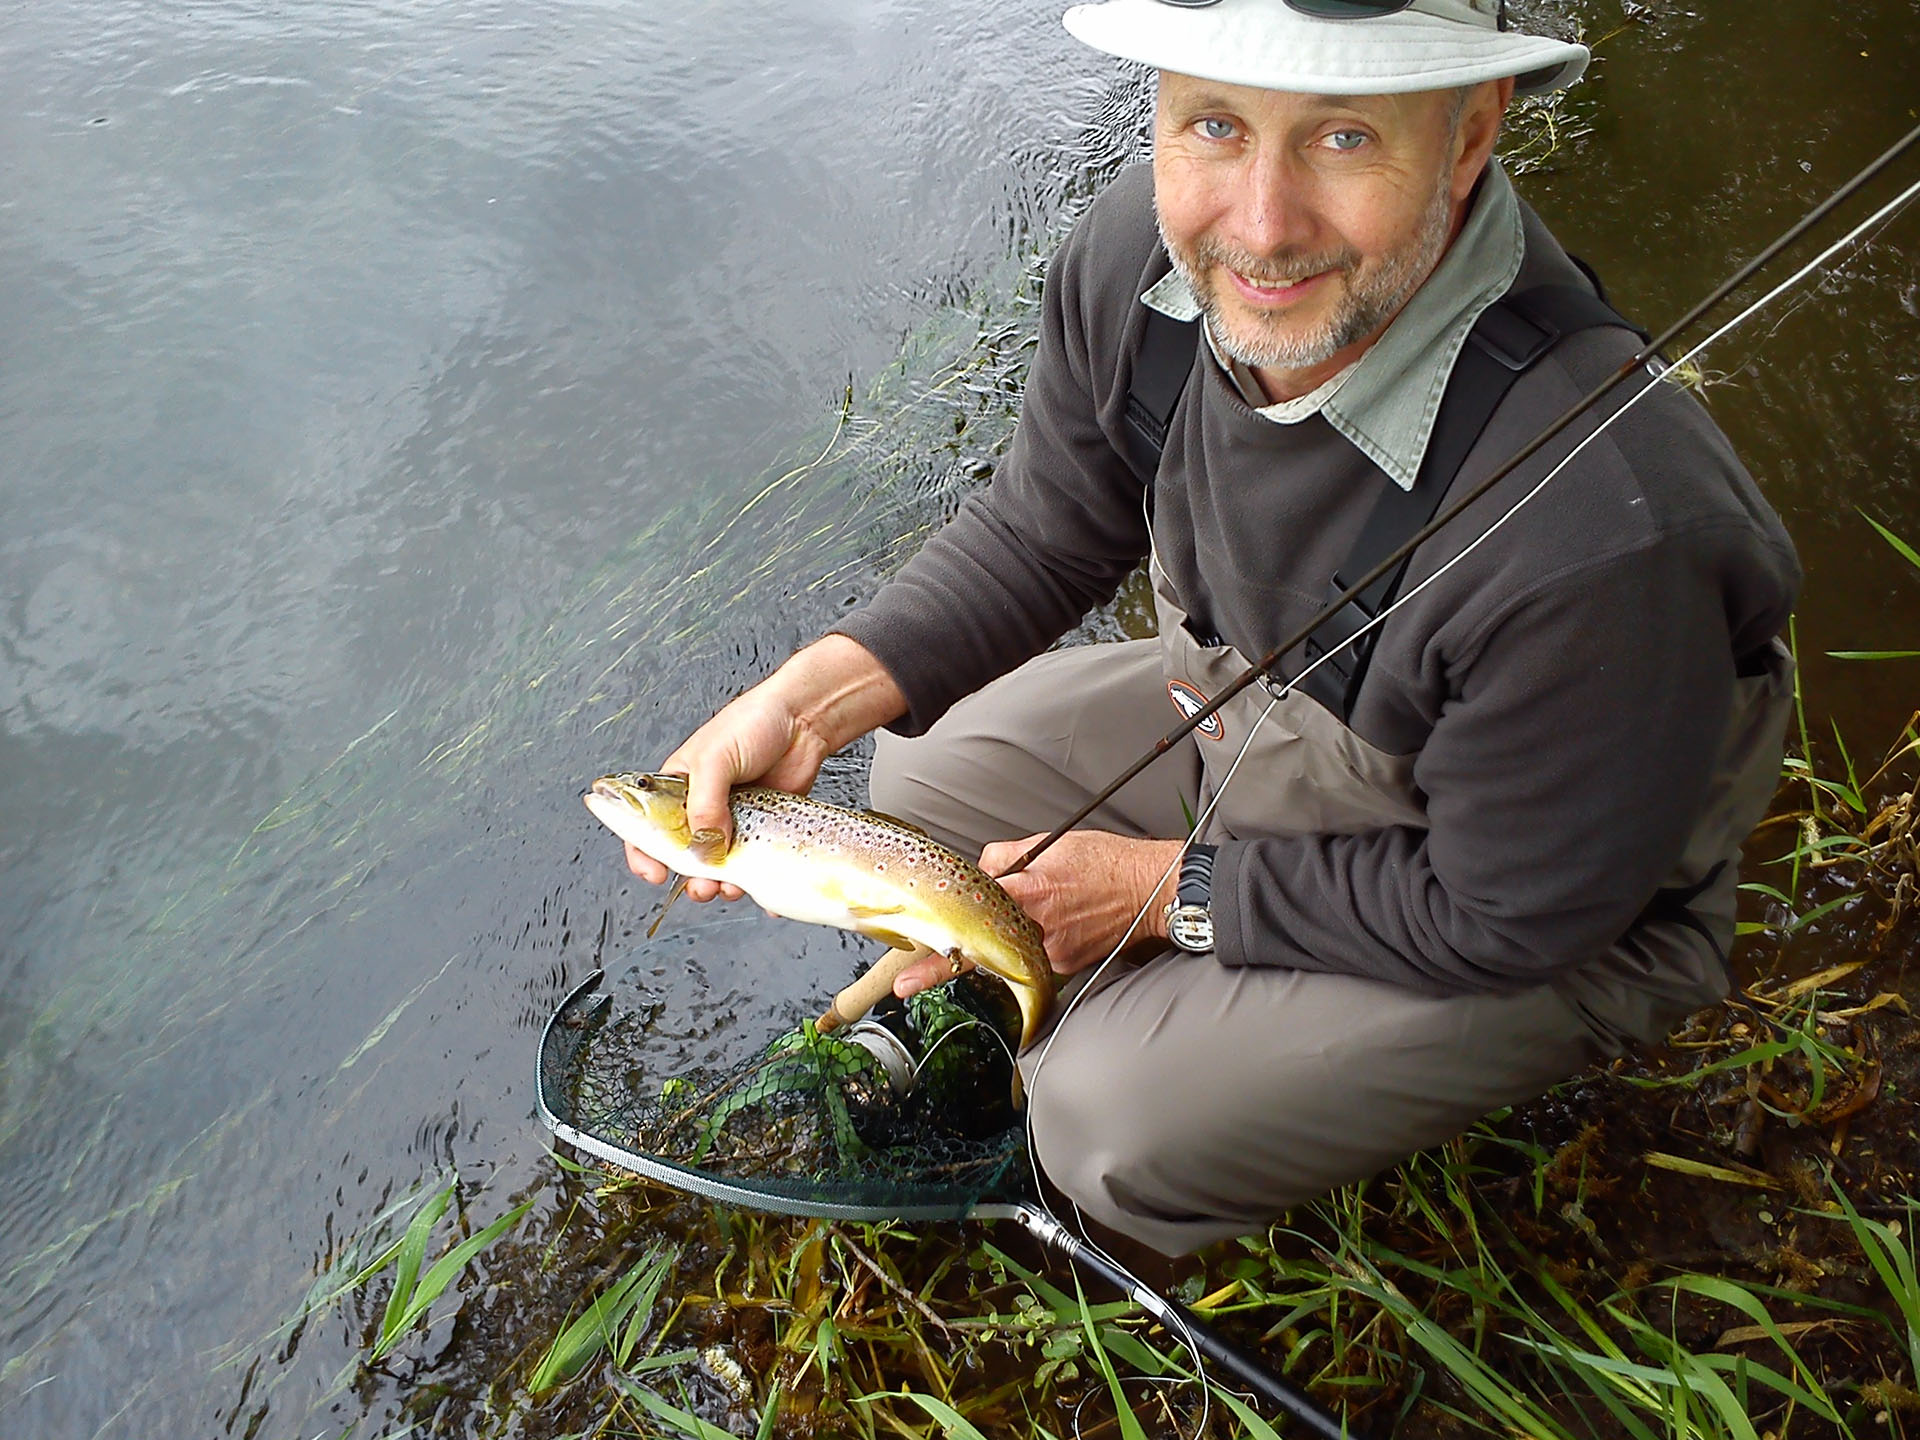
1862	828
414	1293
613	1321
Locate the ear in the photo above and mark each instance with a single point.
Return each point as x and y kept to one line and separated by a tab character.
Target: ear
1479	128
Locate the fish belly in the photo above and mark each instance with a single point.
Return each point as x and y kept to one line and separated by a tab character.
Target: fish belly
838	896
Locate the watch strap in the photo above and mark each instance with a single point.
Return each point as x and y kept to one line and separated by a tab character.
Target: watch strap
1195	886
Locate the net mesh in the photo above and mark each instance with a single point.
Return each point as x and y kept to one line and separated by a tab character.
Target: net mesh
910	1114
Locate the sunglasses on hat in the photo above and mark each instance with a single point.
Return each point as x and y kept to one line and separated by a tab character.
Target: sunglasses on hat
1335	9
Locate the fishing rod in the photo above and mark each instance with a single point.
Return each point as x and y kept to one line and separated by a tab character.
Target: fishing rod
1647	353
1242	1367
1877	219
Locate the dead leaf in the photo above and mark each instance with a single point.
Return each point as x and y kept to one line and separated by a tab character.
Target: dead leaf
1680	1165
1747	1334
1879	1002
1806	984
1844	1107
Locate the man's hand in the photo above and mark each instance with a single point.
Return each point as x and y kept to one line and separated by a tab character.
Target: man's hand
777	734
1084	892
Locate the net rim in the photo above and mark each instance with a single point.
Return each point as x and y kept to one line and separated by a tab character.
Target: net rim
708	1187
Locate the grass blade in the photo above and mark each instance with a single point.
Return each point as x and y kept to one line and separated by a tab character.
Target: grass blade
412	1250
1892	539
442	1273
1702	1170
1257	1429
769	1414
956	1425
686	1424
593	1329
1130	1427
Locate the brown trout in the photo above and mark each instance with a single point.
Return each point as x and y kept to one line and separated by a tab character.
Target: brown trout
825	865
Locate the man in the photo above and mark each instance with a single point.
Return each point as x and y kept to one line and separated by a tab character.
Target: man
1501	847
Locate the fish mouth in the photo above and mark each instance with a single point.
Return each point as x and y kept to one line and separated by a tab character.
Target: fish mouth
632	787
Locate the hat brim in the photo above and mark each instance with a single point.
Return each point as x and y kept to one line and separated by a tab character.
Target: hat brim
1273	47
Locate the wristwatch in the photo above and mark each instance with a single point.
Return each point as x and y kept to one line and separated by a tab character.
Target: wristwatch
1189	918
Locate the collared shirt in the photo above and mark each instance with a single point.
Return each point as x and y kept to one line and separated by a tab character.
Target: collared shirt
1386	401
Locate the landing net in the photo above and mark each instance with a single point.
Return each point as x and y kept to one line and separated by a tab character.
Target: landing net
907	1115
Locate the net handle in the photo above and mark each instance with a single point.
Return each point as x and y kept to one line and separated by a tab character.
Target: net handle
869	990
1182	1323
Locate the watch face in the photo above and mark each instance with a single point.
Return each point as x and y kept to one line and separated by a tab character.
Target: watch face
1191	927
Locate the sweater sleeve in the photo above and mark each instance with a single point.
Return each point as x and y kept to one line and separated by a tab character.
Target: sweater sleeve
1053	535
1561	781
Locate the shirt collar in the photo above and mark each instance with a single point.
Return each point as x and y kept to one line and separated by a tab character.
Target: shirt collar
1386	401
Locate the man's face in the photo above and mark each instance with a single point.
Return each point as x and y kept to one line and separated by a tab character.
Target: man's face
1304	222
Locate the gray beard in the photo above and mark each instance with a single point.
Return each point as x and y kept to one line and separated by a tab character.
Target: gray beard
1366	305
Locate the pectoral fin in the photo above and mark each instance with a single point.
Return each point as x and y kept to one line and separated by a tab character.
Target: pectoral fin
674	892
864	917
709	847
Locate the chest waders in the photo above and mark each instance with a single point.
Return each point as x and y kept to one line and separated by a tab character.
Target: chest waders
1183	1100
1307	771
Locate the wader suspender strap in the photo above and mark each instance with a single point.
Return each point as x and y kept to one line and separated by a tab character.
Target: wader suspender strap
1672	906
1160	370
1510	335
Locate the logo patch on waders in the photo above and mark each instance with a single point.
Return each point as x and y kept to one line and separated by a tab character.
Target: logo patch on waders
1190	702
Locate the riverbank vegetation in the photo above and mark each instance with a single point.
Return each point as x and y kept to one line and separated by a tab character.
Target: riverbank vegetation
1714	1240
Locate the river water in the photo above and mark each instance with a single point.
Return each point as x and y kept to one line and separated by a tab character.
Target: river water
409	410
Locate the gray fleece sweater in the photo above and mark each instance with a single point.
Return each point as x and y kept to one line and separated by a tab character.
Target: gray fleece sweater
1564	689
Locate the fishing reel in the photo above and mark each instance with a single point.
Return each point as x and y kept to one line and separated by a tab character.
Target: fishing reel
942	1063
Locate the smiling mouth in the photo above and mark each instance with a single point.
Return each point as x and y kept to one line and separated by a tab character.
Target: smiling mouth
1276	291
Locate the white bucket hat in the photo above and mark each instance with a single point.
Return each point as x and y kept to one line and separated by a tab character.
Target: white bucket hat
1430	45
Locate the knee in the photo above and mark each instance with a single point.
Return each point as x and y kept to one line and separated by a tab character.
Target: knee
1106	1137
893	782
1152	1141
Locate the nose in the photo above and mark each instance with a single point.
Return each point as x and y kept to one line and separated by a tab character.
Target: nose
1271	210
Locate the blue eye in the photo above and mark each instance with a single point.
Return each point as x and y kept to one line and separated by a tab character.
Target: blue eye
1346	140
1217	129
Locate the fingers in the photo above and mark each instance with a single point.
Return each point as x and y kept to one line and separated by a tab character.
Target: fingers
925	974
1000	856
646	867
654	873
707	810
712	769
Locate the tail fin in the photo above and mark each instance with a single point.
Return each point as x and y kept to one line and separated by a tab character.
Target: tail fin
1035	1006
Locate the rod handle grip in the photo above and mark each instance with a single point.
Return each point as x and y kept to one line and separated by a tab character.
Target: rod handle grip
869	990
